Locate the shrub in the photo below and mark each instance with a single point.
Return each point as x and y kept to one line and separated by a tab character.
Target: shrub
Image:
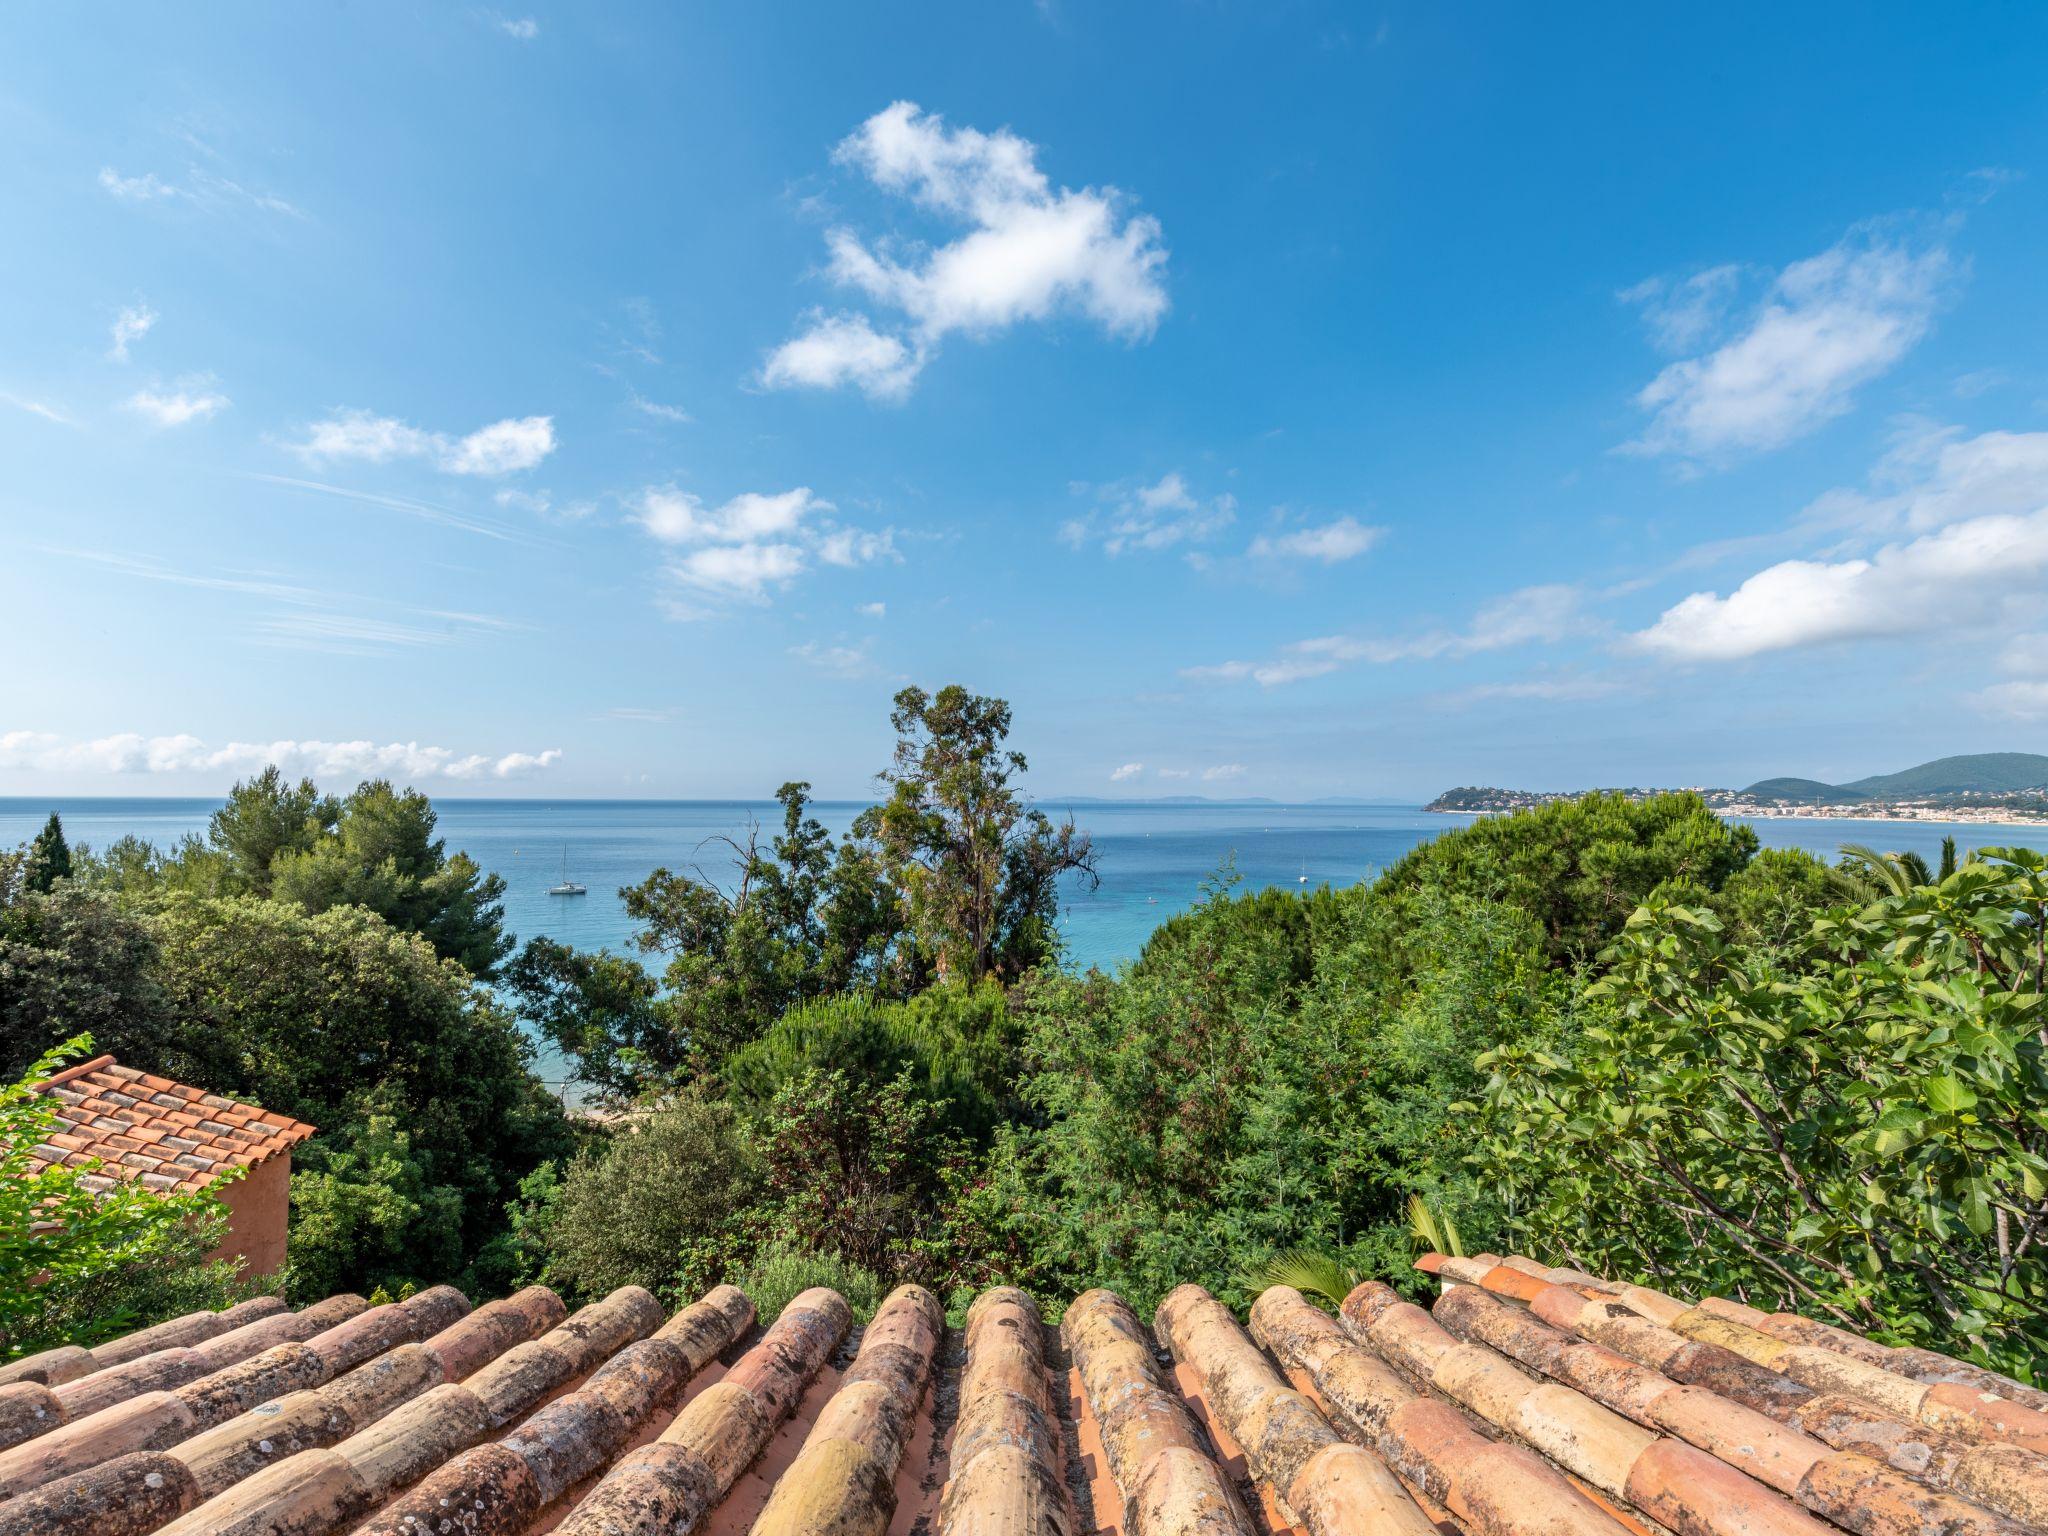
658	1203
780	1274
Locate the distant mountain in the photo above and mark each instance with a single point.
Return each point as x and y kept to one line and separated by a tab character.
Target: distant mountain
1980	773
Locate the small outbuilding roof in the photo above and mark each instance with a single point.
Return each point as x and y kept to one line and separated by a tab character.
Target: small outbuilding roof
153	1131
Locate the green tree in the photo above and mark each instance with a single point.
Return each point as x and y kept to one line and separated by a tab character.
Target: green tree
979	870
84	1257
73	959
263	818
419	1082
382	854
796	920
49	857
1853	1130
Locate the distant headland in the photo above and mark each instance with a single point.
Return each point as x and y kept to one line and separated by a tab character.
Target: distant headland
1983	786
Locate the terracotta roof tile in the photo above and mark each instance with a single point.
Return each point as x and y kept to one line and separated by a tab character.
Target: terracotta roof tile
117	1115
1529	1401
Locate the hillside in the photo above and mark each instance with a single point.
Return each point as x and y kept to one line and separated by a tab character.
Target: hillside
1979	773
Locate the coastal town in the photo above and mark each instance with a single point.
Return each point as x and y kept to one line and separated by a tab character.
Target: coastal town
2004	789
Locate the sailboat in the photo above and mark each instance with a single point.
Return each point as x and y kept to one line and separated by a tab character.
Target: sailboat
568	887
1304	873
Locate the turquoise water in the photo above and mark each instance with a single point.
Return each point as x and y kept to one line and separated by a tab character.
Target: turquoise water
1154	858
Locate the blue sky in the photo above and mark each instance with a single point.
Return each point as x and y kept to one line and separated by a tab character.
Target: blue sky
1280	399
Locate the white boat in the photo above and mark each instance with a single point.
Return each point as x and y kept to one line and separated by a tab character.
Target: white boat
568	887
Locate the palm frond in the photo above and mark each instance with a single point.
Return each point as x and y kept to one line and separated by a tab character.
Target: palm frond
1433	1230
1884	874
1310	1272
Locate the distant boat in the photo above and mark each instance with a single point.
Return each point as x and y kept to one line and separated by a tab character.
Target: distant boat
568	887
1304	873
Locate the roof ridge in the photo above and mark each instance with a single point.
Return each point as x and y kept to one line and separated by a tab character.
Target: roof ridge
73	1072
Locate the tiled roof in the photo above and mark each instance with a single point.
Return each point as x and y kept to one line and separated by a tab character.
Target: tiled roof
1527	1402
154	1131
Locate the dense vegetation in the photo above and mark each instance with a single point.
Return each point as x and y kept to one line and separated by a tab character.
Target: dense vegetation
1609	1030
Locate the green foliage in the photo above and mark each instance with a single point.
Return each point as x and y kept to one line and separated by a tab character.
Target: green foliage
800	922
420	1084
779	1274
72	961
49	858
657	1201
601	1011
79	1265
1855	1129
866	1174
374	849
1772	901
956	1048
978	870
1310	1272
1433	1231
1579	867
1227	1099
382	855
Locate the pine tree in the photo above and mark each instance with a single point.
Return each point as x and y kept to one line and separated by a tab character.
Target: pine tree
49	857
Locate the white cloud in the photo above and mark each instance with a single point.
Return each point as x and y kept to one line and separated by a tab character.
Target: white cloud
525	28
1344	539
1532	615
132	324
1029	252
502	448
754	541
677	517
843	349
1148	517
189	400
1128	771
1826	326
837	660
145	188
133	753
1223	773
1976	556
873	610
738	570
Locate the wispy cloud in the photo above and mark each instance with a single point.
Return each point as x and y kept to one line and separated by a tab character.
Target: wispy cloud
1126	773
426	511
523	28
37	408
1533	615
306	617
502	448
673	414
1133	518
132	324
1824	327
190	399
200	188
848	661
1028	252
873	610
131	752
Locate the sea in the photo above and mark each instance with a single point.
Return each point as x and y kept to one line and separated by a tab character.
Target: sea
1155	858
